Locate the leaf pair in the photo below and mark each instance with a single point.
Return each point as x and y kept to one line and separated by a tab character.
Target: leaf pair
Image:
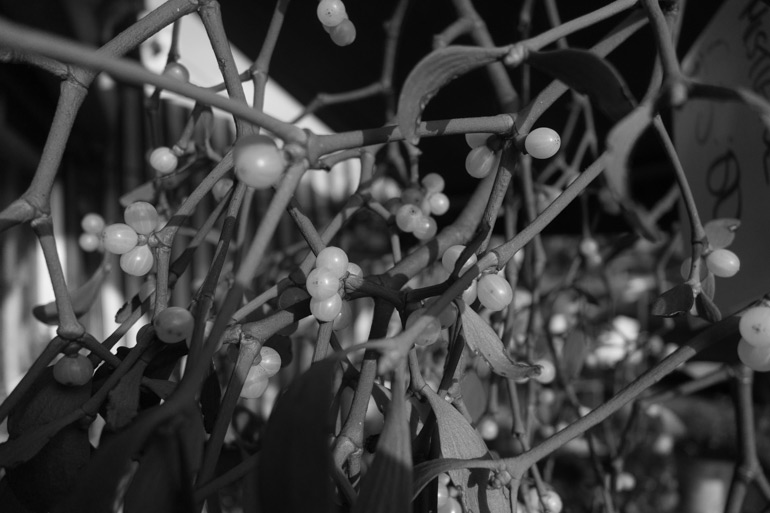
680	299
483	340
459	440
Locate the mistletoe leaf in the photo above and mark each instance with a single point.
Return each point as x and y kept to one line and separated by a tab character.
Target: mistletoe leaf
676	300
386	486
82	298
708	285
427	471
576	348
587	73
707	309
295	462
620	144
432	73
458	439
482	339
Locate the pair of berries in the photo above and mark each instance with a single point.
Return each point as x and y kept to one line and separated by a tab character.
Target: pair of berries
129	239
257	160
334	19
172	325
541	143
93	225
258	376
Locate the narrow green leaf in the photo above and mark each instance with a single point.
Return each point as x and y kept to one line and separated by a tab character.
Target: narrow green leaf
576	348
676	300
587	73
483	340
295	461
432	73
387	485
721	232
82	297
620	144
707	309
145	192
123	400
458	439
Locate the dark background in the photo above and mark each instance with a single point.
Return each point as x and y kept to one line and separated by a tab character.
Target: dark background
305	63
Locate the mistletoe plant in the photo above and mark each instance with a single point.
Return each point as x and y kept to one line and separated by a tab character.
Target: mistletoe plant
387	424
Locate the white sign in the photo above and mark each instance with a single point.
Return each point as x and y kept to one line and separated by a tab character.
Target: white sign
725	147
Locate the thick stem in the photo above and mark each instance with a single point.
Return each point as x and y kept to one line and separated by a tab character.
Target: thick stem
205	299
261	66
69	326
587	20
211	15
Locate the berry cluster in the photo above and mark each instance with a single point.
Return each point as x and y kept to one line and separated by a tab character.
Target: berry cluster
334	20
492	290
415	206
754	347
256	380
258	162
93	225
323	284
446	496
129	240
617	343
